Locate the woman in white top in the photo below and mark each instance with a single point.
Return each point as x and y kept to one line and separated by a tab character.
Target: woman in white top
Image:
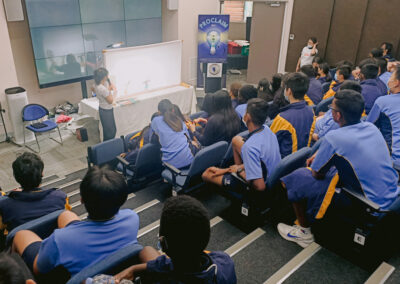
105	92
308	53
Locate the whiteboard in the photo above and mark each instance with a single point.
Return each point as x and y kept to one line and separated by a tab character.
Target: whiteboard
139	69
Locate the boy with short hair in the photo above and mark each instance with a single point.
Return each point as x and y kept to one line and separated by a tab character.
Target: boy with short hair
314	92
255	157
247	92
32	202
295	123
183	237
78	244
343	73
369	83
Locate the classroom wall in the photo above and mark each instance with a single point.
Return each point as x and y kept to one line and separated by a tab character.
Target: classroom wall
237	30
8	76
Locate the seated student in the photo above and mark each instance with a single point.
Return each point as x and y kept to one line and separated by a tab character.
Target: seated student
13	270
264	90
78	244
234	93
295	123
316	62
254	158
376	53
386	115
343	73
314	93
325	123
323	73
384	74
246	93
371	90
222	124
359	145
173	136
278	90
32	202
183	237
387	48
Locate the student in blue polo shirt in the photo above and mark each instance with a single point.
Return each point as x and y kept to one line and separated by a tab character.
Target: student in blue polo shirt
247	92
78	244
326	123
294	125
183	237
173	136
369	84
254	158
386	115
343	73
357	145
384	74
314	92
30	202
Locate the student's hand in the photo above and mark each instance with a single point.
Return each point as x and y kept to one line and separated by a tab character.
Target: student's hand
311	160
218	172
199	120
192	127
356	73
122	155
235	168
125	274
315	44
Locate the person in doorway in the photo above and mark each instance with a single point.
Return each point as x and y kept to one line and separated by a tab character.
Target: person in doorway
308	53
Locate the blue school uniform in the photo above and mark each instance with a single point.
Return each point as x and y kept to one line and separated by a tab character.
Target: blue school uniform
261	148
325	124
385	78
323	80
294	127
385	114
333	89
315	91
382	86
83	243
241	110
174	145
346	148
235	103
371	91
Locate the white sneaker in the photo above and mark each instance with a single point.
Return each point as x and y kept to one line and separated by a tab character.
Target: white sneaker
303	237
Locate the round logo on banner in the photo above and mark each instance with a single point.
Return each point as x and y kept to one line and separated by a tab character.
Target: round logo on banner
214	69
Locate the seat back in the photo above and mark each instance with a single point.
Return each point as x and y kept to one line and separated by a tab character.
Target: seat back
127	138
42	226
110	265
105	152
207	157
148	160
316	145
287	165
198	115
33	112
228	157
323	105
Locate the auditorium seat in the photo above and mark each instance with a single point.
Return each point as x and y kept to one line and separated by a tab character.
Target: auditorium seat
184	181
323	105
227	160
105	152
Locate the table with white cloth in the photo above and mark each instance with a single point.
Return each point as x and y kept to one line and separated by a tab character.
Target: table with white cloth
135	115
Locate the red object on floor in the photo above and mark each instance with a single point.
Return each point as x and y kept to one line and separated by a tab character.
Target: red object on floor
234	48
63	118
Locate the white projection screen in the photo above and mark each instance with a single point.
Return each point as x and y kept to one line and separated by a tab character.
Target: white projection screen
139	69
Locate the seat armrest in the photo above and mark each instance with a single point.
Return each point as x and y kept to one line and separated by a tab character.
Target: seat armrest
172	168
236	176
122	160
372	205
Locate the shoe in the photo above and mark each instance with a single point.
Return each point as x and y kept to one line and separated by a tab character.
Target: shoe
303	237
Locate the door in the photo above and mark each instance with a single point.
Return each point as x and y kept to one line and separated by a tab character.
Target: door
310	18
265	41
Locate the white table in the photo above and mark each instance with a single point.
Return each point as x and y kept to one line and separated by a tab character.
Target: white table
135	116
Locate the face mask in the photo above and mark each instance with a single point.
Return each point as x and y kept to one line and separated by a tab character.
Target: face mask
286	96
309	46
244	122
335	76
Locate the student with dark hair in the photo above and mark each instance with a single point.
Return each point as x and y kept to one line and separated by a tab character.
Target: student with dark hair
183	237
314	92
371	89
325	123
255	157
386	115
105	92
343	72
247	92
384	74
308	53
295	123
387	48
376	53
234	93
279	99
223	123
264	90
30	202
173	136
276	83
78	244
323	73
354	143
13	270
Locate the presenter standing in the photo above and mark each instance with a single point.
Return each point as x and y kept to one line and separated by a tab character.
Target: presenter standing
308	53
105	92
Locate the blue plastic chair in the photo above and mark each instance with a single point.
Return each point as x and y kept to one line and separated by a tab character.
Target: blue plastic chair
111	265
33	113
105	152
227	160
43	226
323	105
184	181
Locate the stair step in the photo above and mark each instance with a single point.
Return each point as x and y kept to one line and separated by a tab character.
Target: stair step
381	274
245	242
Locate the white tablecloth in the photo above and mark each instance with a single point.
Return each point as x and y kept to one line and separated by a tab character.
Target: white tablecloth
134	117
